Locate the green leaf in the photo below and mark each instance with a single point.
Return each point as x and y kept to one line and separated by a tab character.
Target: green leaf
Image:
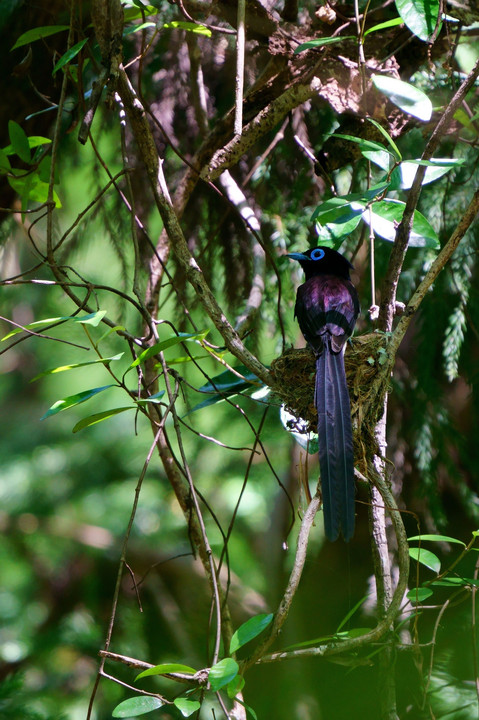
164	344
186	707
69	55
436	169
417	595
420	16
387	214
362	142
37	33
137	28
19	141
224	385
437	538
378	157
4	161
456	582
34	141
99	417
73	366
384	25
73	400
189	27
387	136
135	706
426	558
351	612
165	669
90	319
405	96
320	42
31	188
152	399
235	686
337	202
222	673
249	630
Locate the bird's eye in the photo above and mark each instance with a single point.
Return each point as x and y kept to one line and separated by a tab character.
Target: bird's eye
317	254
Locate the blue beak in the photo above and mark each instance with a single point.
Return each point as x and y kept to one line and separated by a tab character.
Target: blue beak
297	256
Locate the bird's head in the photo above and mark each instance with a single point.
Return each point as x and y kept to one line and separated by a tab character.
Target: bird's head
322	261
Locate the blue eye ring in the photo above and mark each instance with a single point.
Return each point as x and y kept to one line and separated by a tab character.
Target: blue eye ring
317	254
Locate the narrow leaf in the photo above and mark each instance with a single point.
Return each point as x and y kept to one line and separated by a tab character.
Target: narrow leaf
426	558
222	673
37	33
405	96
99	417
189	27
19	141
384	25
381	158
156	398
437	538
186	707
164	344
90	319
73	366
135	706
362	142
386	135
73	400
165	669
249	630
137	28
320	42
69	55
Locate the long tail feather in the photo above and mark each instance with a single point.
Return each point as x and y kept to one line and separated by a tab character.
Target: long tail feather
335	439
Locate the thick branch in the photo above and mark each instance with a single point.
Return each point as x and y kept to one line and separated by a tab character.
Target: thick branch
146	145
264	121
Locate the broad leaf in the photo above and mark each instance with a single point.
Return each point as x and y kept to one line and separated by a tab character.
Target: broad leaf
387	214
436	169
31	188
405	96
135	706
37	33
420	16
417	595
337	202
34	141
249	630
73	400
5	165
69	55
99	417
222	673
186	707
381	158
426	558
166	668
235	686
320	42
307	440
19	141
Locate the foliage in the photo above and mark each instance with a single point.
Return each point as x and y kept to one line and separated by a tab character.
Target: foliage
151	501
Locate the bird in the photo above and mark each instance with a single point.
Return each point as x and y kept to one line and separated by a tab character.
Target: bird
326	308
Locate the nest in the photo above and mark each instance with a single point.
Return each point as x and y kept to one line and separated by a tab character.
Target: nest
294	373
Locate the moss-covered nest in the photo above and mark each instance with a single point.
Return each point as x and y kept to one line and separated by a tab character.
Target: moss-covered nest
294	372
